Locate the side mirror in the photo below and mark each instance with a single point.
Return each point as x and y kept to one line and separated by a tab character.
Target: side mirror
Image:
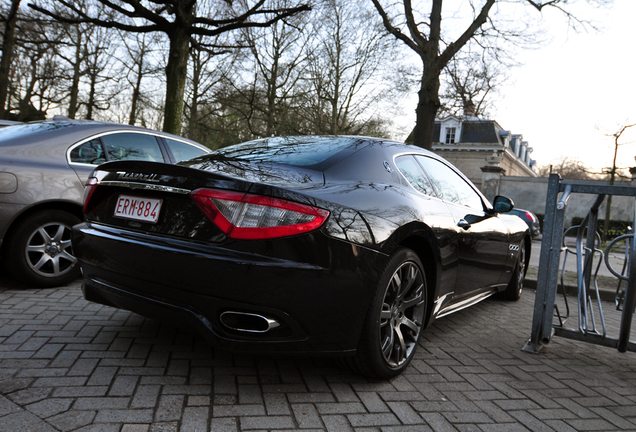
502	204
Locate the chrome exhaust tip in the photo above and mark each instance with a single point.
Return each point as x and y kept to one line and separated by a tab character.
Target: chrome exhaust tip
248	322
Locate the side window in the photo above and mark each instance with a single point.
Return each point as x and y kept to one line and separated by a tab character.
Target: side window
90	152
132	146
449	185
183	151
414	174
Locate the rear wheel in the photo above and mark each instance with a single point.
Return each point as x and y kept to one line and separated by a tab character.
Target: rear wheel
395	318
515	286
40	252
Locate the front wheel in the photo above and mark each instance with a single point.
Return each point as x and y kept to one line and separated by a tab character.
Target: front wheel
515	286
40	252
395	318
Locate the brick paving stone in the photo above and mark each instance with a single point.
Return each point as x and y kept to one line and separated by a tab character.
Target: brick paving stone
266	422
306	416
276	404
50	407
195	419
72	419
24	422
66	364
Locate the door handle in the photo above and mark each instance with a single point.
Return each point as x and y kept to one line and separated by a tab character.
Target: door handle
463	224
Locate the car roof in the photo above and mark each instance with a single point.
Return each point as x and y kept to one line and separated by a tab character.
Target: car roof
316	152
68	132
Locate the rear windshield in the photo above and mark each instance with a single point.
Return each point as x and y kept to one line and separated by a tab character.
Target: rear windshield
11	133
296	151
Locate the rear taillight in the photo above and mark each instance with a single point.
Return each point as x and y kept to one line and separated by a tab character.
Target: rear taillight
90	186
254	217
530	216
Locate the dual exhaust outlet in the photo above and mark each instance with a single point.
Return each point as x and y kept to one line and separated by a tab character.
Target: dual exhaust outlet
248	322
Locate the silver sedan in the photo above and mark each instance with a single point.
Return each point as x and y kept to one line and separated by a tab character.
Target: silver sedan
43	169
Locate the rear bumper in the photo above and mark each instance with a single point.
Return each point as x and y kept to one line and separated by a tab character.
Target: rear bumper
320	305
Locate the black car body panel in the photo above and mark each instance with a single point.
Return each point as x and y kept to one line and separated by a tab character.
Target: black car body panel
317	286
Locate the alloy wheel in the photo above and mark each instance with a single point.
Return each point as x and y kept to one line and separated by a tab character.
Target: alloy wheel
402	314
49	252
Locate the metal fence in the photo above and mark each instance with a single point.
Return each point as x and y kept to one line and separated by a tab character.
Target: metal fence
548	319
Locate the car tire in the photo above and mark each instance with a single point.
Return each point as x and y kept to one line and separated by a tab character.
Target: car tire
515	286
395	318
40	252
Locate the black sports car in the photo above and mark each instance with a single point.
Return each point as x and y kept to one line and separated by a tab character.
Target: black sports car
337	245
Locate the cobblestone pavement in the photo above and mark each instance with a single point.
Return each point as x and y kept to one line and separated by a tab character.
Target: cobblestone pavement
68	365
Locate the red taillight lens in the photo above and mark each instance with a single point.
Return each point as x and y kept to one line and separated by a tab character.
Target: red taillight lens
254	217
90	186
530	216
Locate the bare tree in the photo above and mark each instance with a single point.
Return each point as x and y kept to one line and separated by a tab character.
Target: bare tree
34	79
179	20
137	61
9	19
211	63
422	33
567	168
278	64
612	174
468	83
101	71
346	64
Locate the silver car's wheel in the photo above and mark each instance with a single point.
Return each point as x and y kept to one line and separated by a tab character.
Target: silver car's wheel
395	319
49	252
40	252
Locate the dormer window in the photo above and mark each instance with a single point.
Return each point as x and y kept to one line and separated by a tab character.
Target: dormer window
450	135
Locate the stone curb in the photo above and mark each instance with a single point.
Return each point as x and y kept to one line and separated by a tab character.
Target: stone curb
606	294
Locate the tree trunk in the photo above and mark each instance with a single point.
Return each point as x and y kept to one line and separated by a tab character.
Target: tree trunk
194	104
136	91
91	96
74	99
176	72
427	107
7	53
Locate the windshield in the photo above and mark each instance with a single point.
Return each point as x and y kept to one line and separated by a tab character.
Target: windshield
296	151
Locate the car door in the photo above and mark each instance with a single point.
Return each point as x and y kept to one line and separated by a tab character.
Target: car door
482	238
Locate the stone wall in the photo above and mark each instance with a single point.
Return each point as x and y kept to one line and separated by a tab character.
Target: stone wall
530	194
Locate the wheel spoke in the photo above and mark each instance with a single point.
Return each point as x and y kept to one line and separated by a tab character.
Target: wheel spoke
36	248
415	300
385	314
411	325
45	235
56	265
401	352
387	345
59	233
411	275
43	260
396	281
67	256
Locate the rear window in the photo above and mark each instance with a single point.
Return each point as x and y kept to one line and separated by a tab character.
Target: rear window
296	151
11	133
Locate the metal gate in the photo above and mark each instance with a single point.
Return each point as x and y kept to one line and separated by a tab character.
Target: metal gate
548	320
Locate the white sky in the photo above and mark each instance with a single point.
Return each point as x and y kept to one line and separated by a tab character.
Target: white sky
568	95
